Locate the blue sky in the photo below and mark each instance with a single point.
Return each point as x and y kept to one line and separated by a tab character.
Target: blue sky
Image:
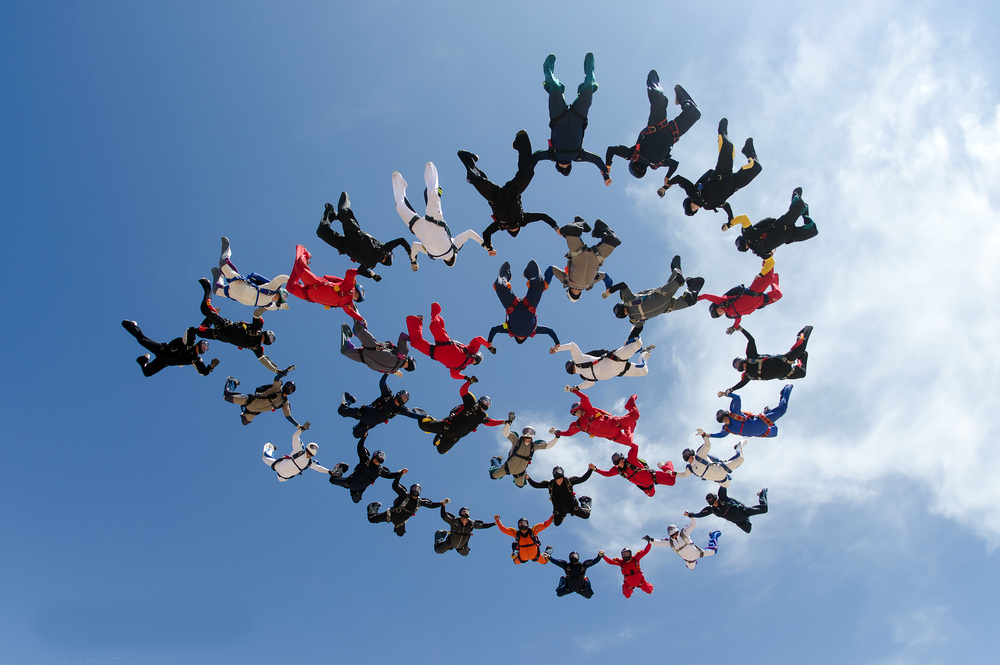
141	526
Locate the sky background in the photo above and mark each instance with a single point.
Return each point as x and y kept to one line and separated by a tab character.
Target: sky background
140	525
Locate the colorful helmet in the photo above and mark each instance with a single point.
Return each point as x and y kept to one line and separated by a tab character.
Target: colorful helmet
558	472
720	414
528	432
484	402
616	458
378	456
573	409
523	523
288	388
415	490
402	397
361	293
267	337
463	512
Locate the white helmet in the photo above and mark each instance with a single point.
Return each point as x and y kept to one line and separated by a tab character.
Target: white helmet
672	529
528	431
312	448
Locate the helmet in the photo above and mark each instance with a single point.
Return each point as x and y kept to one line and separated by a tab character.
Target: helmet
477	357
688	210
564	169
672	529
378	456
267	337
737	362
288	388
403	397
620	310
387	259
626	553
415	490
574	557
720	414
361	293
616	458
714	310
741	244
484	402
410	364
202	347
528	431
558	472
463	512
450	262
573	298
520	340
570	367
687	454
312	448
710	498
573	409
637	169
523	523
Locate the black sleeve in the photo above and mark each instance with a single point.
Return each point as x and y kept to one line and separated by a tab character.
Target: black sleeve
744	379
751	344
707	510
398	488
537	217
615	288
582	479
684	183
729	211
547	331
590	562
383	386
488	234
559	562
534	483
596	161
446	516
479	524
362	451
723	494
622	151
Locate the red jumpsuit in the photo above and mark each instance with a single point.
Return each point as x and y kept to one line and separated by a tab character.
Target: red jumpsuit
598	422
632	572
636	471
763	291
452	355
327	290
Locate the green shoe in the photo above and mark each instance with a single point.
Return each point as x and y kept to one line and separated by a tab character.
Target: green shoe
588	70
551	82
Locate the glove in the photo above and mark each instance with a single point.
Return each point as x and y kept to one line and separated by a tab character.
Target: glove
510	417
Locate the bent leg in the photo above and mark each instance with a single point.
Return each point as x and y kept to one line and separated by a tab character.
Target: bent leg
433	192
464	237
403	208
415	330
749	171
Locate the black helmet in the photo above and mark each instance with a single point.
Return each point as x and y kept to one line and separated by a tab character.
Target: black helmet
570	367
463	511
415	490
572	297
523	523
688	210
687	454
637	169
410	364
450	262
484	402
387	259
616	458
288	388
267	337
564	169
558	472
574	557
626	553
202	347
741	244
710	498
720	414
402	397
378	456
620	310
714	310
737	362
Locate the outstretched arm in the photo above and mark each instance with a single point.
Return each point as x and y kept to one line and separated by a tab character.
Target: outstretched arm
546	331
596	161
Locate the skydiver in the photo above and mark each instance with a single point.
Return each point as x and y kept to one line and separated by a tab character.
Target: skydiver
382	357
761	367
632	573
741	301
583	265
459	531
289	466
463	420
706	466
526	546
505	202
451	354
328	290
637	471
180	351
652	148
239	333
642	306
744	424
433	235
522	448
598	422
575	580
568	123
679	541
359	246
404	506
368	469
713	189
386	407
732	510
562	496
602	364
253	290
521	321
769	233
265	398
